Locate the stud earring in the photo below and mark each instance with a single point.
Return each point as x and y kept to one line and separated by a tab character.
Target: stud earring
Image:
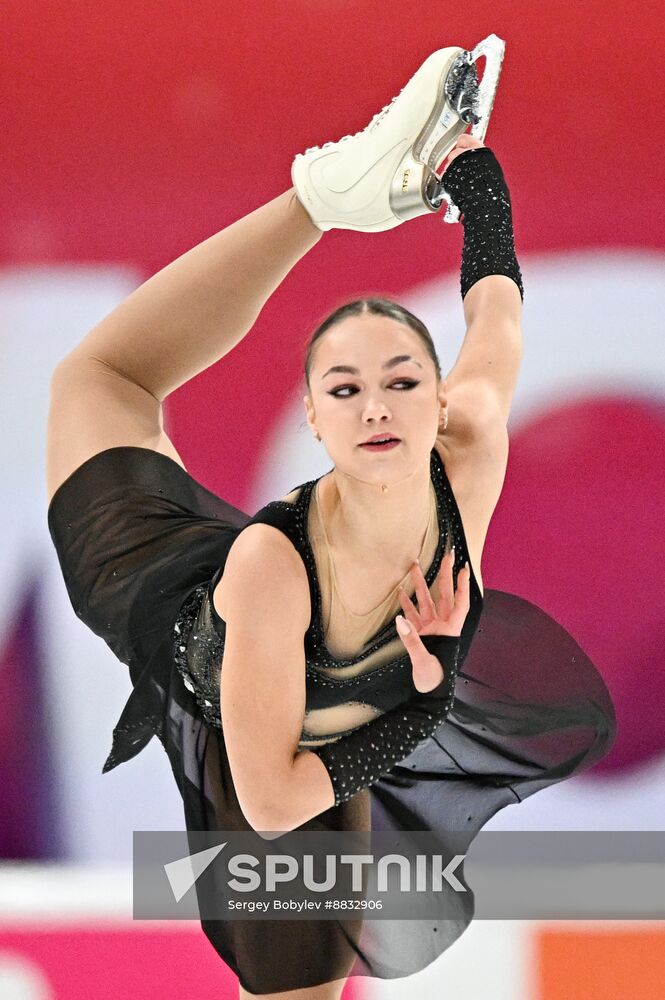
317	435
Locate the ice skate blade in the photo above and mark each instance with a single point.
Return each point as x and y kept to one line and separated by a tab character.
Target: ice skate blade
493	48
445	123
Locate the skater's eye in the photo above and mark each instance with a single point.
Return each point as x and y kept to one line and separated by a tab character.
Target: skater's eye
406	382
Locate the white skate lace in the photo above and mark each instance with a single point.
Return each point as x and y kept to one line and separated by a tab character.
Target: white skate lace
375	120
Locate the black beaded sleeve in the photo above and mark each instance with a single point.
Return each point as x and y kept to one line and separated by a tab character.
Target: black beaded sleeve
477	186
357	759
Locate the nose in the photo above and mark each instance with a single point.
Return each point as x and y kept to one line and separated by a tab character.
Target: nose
375	409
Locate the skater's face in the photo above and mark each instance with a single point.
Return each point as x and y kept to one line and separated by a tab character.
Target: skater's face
393	389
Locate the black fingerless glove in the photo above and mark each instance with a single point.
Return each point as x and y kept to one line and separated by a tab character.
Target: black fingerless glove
478	188
363	755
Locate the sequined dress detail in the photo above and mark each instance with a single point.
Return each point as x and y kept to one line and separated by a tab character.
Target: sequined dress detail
378	675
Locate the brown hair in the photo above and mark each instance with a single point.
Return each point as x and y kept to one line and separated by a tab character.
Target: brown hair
378	307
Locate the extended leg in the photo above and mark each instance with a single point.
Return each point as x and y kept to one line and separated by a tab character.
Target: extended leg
193	311
109	390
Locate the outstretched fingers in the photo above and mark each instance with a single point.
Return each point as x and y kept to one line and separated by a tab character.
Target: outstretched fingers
426	610
462	601
426	606
446	600
452	605
411	612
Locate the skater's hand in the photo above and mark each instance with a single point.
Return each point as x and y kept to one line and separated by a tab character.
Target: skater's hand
445	618
464	142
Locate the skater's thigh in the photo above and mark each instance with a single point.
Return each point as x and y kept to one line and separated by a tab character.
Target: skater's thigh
94	407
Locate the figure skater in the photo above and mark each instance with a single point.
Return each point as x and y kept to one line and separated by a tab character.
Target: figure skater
331	663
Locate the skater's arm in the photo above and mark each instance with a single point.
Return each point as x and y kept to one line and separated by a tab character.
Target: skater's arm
264	600
482	382
485	374
359	758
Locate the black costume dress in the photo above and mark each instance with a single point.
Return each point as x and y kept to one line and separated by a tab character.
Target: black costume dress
142	545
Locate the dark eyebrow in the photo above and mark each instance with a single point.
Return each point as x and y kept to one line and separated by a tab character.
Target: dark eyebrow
389	364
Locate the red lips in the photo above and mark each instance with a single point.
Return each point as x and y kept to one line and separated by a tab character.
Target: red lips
380	437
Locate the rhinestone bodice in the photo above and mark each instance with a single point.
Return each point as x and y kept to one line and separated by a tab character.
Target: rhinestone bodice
377	677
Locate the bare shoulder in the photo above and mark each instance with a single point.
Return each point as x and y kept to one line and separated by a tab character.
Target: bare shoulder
476	469
264	566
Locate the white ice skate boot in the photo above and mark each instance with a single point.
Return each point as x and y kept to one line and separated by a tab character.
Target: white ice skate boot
385	174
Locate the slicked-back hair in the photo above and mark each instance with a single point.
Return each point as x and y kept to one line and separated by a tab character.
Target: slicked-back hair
377	307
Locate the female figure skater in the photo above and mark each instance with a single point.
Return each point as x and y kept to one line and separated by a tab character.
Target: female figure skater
333	710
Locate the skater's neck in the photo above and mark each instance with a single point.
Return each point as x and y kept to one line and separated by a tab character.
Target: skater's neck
366	518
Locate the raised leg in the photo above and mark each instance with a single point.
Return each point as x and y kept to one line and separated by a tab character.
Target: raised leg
193	311
109	390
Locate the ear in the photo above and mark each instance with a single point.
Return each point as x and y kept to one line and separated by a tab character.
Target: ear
309	411
442	396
